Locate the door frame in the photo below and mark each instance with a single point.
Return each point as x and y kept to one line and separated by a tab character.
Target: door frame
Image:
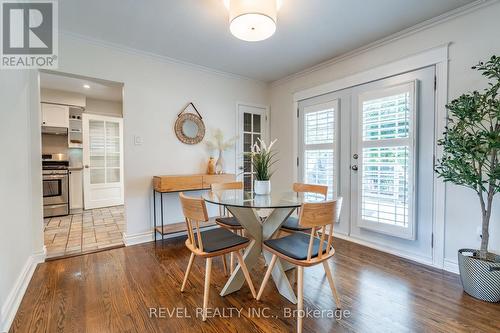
438	57
239	130
86	175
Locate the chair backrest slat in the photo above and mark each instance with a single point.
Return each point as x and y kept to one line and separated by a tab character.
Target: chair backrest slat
320	214
311	188
227	186
223	187
194	210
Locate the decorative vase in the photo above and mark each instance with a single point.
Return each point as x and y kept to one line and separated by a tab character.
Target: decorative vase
211	166
262	187
480	278
219	166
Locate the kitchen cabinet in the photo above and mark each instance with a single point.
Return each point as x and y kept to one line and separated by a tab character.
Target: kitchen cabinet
54	115
76	189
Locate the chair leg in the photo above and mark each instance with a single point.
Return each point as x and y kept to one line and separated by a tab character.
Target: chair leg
208	270
266	277
188	270
224	263
300	298
332	284
231	263
245	272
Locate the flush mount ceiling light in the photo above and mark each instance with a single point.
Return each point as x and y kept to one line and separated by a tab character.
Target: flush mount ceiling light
252	20
86	86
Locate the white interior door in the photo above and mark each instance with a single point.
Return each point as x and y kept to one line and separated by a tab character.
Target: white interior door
103	161
252	124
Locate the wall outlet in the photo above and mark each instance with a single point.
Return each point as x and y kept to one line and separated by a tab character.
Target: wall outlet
138	140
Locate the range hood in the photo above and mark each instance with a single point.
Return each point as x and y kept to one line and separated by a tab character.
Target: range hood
54	130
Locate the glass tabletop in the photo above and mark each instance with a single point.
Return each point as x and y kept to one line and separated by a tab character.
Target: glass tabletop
241	198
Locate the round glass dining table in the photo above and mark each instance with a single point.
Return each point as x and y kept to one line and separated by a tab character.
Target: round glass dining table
244	206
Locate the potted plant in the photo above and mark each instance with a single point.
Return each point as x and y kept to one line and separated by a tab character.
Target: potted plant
471	158
263	158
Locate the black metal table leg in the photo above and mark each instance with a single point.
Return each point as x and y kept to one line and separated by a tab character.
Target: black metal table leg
154	213
161	205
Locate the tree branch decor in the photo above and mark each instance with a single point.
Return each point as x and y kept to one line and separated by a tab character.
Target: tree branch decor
471	143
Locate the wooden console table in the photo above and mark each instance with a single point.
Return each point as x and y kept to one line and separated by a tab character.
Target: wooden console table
181	183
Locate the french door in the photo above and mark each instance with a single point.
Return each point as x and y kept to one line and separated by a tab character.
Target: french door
103	161
252	125
373	145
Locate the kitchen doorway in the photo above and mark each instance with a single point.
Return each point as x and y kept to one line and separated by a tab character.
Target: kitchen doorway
82	164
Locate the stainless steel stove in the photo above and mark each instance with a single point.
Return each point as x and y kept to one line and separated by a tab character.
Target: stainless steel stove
55	177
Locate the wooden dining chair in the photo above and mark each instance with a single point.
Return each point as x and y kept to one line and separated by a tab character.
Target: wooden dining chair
292	222
225	220
209	244
305	250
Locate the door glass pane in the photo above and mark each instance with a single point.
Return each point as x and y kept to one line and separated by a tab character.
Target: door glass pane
96	151
247	142
319	168
113	175
319	127
105	151
384	194
319	154
247	122
256	123
385	157
386	117
97	176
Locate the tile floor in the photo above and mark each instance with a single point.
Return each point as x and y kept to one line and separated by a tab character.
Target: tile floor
84	232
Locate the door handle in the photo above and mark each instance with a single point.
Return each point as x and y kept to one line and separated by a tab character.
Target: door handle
354	167
86	166
240	167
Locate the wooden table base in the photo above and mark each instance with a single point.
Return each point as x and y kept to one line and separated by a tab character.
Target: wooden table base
260	231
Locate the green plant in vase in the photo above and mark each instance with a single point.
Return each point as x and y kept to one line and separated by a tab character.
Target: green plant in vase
471	158
263	158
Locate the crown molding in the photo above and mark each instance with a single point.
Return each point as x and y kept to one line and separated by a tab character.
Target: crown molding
463	10
158	57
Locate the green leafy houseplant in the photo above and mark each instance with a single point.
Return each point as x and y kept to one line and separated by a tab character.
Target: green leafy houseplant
263	158
471	144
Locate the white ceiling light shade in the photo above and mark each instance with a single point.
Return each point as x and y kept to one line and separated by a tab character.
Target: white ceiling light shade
252	20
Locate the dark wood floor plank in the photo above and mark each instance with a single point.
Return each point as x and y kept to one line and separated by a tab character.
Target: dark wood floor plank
112	291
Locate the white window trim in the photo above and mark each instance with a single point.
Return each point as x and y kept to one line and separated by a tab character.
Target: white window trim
302	146
438	57
410	141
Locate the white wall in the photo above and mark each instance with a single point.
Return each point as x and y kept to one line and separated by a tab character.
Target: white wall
62	97
21	242
102	107
155	91
474	37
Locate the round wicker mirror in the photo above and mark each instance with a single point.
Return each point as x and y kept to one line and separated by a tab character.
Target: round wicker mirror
189	128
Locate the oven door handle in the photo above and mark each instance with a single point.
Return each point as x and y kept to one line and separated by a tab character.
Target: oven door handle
54	177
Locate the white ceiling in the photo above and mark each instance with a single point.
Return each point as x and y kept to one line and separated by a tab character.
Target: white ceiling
196	31
99	89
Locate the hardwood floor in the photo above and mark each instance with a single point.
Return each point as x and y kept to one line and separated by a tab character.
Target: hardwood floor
113	291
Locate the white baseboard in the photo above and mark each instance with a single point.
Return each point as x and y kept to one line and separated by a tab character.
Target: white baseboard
11	305
146	237
134	239
451	266
396	252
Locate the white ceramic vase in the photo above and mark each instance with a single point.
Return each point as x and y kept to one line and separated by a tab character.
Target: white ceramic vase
262	187
219	166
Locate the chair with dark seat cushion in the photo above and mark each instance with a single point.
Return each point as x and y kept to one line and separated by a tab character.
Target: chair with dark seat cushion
305	250
225	220
209	244
292	223
229	222
219	239
296	246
